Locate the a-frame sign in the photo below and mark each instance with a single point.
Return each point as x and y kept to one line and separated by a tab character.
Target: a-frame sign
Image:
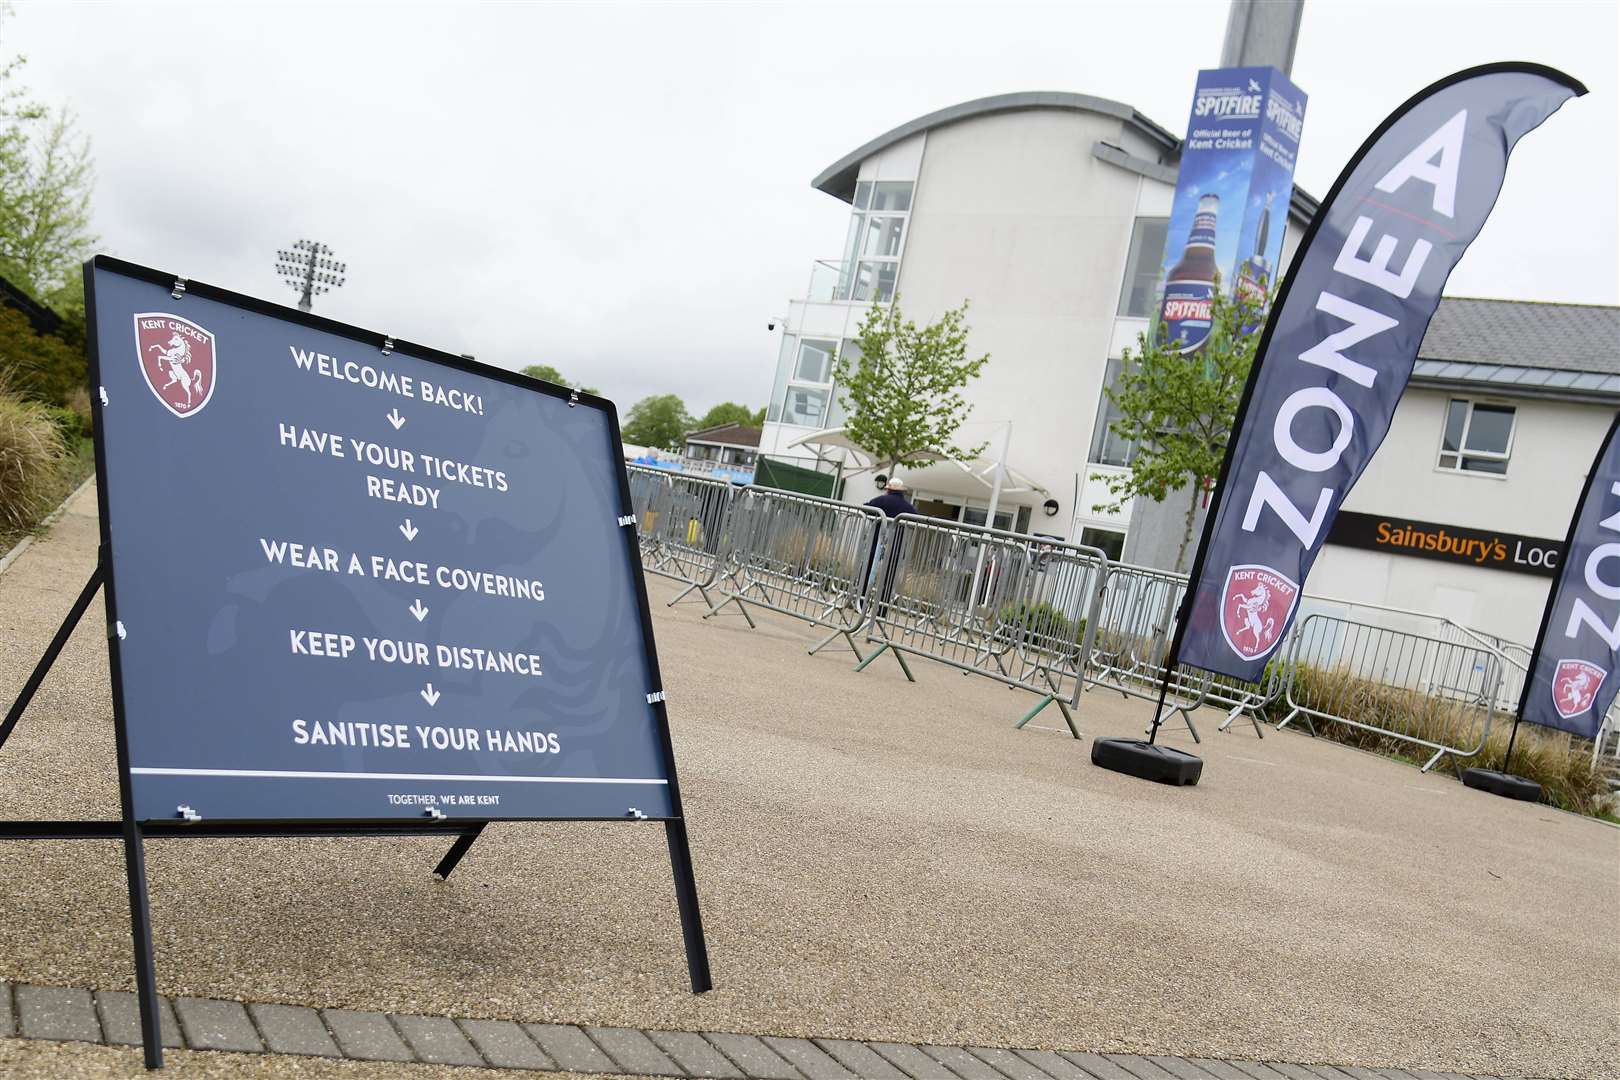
356	587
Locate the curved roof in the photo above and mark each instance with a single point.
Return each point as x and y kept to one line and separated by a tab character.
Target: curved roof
838	179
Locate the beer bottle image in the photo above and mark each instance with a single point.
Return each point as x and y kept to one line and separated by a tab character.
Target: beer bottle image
1189	288
1254	276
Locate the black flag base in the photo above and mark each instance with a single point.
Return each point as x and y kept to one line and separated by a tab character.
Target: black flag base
1147	761
1500	783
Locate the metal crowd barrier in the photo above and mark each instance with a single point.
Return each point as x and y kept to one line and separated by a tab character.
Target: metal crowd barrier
1133	640
679	524
1435	693
797	555
1015	608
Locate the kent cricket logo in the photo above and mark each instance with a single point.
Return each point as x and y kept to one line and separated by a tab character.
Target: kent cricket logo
1574	687
1255	606
177	359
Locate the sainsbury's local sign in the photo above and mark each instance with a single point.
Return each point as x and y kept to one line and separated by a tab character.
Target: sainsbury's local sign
1447	543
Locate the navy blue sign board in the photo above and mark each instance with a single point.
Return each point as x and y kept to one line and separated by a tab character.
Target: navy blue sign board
357	586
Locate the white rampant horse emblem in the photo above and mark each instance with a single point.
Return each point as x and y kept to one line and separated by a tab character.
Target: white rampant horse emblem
176	358
1248	609
1573	691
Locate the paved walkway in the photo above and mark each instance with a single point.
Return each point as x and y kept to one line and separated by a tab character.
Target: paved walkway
112	1018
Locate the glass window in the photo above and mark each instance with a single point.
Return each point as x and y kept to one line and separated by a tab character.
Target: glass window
1141	289
877	231
875	281
1112	543
1108	448
804	406
883	235
975	515
1477	438
784	367
891	195
815	361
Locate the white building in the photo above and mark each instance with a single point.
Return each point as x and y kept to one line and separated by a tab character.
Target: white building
1048	212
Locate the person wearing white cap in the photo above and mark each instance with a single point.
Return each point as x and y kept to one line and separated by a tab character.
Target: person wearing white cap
893	501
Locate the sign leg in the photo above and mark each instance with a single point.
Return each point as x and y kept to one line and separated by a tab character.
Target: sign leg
686	898
140	924
63	632
457	850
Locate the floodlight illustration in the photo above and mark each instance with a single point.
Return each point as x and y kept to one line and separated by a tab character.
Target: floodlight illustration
310	269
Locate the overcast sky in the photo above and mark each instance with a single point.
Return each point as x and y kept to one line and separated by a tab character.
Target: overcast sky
624	191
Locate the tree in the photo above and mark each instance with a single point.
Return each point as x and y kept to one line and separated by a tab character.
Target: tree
45	211
46	179
659	421
902	390
547	373
729	412
1178	410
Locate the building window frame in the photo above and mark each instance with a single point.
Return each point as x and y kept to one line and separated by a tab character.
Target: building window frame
1453	460
1141	261
866	277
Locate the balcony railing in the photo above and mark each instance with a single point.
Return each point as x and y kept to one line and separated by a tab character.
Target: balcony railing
842	282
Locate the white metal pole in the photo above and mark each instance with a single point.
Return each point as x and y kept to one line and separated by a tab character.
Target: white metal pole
990	517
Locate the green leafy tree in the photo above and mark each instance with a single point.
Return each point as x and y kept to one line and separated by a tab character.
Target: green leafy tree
729	412
45	211
659	421
46	180
902	390
547	373
1178	410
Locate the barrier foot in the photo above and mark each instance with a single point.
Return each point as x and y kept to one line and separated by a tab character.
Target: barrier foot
879	651
1432	762
1504	784
715	610
1068	717
1232	716
1290	719
684	593
1147	761
828	640
1033	713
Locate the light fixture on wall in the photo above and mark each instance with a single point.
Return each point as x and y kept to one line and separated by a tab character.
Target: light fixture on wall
882	481
1051	507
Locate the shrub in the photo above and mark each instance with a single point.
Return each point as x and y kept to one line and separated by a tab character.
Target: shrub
68	423
32	454
1553	760
41	366
79	402
1040	625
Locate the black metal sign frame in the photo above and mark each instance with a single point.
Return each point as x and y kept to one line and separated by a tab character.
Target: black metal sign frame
134	833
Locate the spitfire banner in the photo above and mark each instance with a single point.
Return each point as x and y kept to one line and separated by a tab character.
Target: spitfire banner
1576	669
1339	345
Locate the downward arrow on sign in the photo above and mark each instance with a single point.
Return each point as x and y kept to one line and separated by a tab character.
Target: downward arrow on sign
394	418
409	530
418	610
430	695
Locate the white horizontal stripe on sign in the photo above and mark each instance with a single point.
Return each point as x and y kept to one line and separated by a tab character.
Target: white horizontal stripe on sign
289	774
